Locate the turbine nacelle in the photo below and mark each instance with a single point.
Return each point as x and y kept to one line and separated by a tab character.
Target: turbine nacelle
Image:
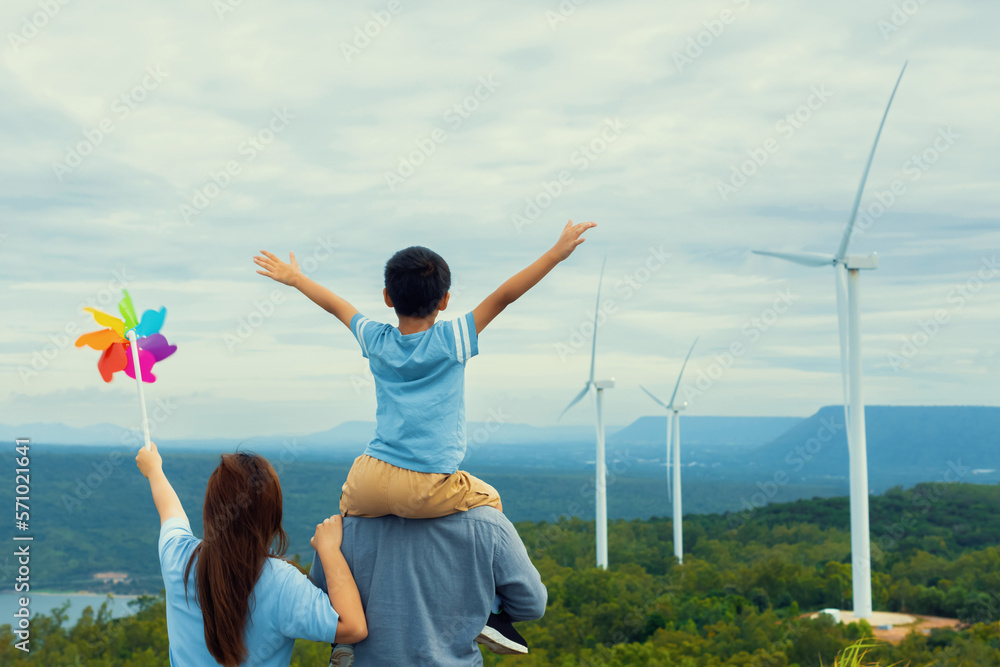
814	259
861	261
605	384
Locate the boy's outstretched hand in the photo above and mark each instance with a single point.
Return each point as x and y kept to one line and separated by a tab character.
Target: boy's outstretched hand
571	237
274	268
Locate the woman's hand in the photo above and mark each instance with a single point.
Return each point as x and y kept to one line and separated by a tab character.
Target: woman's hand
149	460
329	534
571	237
274	268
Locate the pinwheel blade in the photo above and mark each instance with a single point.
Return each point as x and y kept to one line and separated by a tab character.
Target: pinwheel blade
99	340
127	310
576	400
109	321
803	258
151	323
157	345
146	361
650	394
846	240
112	360
681	374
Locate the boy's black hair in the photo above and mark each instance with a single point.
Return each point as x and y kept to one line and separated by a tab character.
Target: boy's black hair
417	279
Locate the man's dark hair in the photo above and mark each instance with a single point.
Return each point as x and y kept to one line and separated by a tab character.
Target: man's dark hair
417	279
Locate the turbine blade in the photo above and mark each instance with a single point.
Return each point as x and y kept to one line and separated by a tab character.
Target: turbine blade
840	275
845	241
650	394
681	374
803	258
576	400
670	449
597	307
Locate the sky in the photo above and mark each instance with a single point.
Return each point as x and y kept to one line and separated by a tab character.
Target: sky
159	146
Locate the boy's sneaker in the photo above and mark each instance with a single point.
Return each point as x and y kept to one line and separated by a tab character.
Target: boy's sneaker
500	636
342	655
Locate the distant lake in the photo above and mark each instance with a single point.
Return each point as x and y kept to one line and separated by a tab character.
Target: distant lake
44	603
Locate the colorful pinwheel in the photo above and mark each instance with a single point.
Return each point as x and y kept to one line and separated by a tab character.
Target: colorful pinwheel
115	343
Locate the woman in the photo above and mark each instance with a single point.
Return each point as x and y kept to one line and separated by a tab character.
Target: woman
231	600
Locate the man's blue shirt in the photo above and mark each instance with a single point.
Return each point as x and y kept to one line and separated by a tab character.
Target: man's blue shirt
420	390
428	585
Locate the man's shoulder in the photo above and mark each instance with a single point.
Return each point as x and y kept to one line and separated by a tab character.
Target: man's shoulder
477	515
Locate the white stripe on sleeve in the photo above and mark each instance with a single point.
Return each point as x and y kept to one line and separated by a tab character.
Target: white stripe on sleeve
458	342
361	334
464	325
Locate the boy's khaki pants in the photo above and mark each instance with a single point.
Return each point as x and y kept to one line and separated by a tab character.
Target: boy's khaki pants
376	488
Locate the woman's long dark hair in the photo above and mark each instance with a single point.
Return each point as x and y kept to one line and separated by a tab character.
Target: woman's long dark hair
242	519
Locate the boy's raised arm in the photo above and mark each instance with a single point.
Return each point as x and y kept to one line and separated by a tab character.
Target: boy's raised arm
290	274
517	285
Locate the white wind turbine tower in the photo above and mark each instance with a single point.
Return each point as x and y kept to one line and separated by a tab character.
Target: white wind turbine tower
600	495
674	454
846	269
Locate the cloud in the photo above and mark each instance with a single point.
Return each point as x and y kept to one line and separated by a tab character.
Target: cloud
188	97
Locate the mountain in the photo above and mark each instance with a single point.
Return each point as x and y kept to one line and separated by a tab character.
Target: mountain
57	434
695	431
905	444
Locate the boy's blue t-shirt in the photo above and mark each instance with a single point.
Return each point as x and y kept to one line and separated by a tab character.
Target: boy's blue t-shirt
420	390
285	606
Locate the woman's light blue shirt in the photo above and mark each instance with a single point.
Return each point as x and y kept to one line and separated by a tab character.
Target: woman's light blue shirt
285	606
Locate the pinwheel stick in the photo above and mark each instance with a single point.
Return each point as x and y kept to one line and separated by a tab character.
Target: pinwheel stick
138	383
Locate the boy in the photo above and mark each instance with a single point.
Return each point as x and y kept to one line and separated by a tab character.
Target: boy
410	468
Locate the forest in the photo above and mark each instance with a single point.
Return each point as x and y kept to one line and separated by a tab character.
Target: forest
738	600
91	510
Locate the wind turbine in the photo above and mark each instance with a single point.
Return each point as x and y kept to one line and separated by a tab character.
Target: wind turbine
600	479
674	453
846	269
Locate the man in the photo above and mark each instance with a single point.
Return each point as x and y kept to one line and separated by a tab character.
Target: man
428	585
